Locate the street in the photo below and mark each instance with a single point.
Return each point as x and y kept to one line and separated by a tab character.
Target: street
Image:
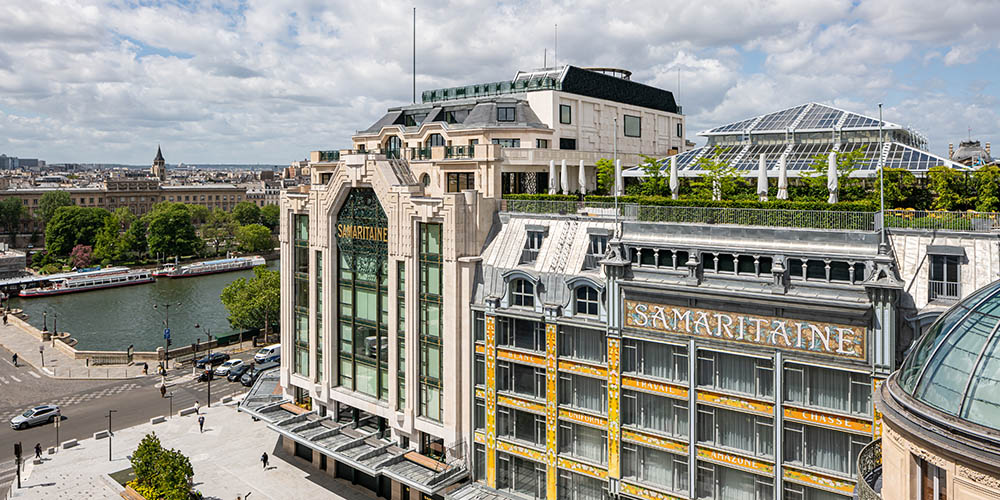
85	403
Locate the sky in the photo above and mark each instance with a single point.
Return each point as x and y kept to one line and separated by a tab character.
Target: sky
267	81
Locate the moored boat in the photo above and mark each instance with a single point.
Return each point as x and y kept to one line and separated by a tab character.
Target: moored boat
210	267
92	281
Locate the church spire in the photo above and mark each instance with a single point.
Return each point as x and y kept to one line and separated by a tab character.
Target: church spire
159	155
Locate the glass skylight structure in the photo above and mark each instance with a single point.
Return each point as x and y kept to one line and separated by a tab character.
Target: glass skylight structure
800	133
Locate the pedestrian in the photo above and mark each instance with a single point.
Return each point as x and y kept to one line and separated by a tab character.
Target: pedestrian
15	360
196	407
163	390
263	459
145	368
38	451
201	423
4	319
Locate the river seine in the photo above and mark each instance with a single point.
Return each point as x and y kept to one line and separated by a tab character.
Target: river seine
114	318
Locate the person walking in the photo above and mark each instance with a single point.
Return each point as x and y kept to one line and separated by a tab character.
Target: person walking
201	424
38	451
15	360
163	390
196	407
4	319
145	368
263	459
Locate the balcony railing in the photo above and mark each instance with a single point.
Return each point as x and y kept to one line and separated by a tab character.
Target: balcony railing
329	156
870	472
460	152
944	290
979	222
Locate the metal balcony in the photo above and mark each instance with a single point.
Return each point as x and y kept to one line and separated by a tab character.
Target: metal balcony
870	472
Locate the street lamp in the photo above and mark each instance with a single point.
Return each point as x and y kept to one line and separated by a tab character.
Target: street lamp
166	331
211	373
109	433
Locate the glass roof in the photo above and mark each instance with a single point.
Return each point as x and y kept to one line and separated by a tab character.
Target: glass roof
955	367
809	116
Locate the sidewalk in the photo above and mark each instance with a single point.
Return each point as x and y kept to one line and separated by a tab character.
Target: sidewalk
14	337
225	458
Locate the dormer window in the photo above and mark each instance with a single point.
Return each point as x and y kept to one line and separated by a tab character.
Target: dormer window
435	140
532	245
596	250
587	301
505	113
522	293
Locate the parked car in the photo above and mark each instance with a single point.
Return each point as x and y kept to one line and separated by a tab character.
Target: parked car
216	358
224	368
267	354
237	371
35	416
251	375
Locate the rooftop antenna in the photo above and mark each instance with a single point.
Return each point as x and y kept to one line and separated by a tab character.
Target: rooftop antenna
545	57
555	55
414	55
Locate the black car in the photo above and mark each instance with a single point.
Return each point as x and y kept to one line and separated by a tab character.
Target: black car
216	358
251	375
237	371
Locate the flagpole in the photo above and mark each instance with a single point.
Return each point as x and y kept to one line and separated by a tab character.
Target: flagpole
881	181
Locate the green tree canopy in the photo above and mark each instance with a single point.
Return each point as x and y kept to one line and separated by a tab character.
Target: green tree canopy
987	180
270	216
11	211
720	178
253	301
114	241
246	213
847	162
254	238
653	183
950	189
50	202
219	229
199	213
605	176
72	226
170	231
160	473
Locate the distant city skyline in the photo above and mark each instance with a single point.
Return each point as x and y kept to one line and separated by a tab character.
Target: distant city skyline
94	81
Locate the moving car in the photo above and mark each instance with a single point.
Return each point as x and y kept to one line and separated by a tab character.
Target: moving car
216	358
251	375
269	353
224	368
237	371
35	416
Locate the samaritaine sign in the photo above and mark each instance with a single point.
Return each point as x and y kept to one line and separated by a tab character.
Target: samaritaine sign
810	336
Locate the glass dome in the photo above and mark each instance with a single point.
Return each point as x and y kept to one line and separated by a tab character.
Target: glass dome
955	367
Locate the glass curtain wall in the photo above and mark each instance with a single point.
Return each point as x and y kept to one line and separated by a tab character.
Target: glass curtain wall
401	335
319	313
362	290
430	321
300	354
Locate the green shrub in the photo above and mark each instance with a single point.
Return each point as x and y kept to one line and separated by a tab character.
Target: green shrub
548	197
663	201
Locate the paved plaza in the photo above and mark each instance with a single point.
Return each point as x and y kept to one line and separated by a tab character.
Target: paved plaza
225	458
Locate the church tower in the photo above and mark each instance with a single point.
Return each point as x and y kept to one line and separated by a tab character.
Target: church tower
159	169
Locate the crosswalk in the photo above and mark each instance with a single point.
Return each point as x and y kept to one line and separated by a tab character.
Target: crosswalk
8	474
15	380
80	398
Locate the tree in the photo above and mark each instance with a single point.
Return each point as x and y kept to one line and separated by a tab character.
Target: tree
11	211
254	238
113	242
949	188
605	176
847	162
253	301
270	215
171	232
72	226
159	472
80	257
50	202
653	183
219	229
719	180
987	180
246	213
199	213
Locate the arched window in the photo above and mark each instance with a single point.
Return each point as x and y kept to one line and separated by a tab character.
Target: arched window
522	293
587	300
392	146
425	180
435	140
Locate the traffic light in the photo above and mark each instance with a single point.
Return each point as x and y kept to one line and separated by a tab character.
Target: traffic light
17	450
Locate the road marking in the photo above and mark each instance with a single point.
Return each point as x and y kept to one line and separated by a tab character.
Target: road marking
15	379
4	380
33	374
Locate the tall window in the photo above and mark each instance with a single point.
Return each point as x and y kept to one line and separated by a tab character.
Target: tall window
680	130
565	143
505	113
532	245
401	335
572	486
717	482
430	321
656	467
520	475
656	413
944	277
583	442
565	114
933	482
393	145
319	313
583	392
753	434
542	143
300	360
435	140
582	343
522	293
362	286
596	249
460	181
523	380
587	300
654	359
753	377
827	388
521	425
633	126
823	448
521	333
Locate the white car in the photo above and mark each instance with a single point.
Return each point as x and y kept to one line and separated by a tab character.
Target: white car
223	369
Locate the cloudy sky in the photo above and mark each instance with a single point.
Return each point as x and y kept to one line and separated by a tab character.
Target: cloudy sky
266	81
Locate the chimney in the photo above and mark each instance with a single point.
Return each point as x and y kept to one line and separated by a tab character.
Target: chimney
988	149
951	150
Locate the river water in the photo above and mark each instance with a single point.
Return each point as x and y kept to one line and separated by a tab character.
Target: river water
114	318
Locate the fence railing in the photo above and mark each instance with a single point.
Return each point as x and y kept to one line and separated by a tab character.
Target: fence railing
768	217
943	290
869	471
